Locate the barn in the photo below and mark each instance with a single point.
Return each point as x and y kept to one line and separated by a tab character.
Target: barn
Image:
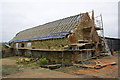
68	40
113	43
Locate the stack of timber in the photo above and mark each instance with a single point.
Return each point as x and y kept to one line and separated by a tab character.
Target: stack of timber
97	66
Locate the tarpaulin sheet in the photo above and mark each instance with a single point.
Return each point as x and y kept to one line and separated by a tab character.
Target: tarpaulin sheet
43	38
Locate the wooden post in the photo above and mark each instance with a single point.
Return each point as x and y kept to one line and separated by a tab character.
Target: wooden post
62	57
87	53
73	57
81	56
93	16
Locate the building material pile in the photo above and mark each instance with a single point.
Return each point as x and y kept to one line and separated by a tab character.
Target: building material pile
96	66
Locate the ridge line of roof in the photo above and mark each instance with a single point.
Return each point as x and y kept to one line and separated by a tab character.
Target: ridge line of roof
48	23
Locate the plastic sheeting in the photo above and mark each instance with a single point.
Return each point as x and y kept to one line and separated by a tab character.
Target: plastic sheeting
44	38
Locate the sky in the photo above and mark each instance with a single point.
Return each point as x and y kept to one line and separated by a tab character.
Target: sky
18	15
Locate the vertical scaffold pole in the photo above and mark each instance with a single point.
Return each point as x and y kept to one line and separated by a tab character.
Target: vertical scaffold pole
62	57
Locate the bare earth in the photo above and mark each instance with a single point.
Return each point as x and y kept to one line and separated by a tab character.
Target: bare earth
105	72
35	73
68	72
41	73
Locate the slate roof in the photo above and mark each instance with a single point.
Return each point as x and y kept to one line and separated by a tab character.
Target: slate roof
56	29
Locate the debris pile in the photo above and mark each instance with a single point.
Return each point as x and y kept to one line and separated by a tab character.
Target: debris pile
96	64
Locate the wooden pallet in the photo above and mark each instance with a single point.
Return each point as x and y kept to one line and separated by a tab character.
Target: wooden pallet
98	66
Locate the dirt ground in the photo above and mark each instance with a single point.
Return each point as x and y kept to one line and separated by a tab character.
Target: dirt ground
30	72
105	72
64	72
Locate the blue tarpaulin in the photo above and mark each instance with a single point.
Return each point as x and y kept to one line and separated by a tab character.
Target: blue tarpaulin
44	38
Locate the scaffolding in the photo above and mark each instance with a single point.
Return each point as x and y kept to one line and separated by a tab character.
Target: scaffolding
99	23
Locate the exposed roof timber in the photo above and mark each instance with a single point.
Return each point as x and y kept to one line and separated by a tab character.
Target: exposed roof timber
89	28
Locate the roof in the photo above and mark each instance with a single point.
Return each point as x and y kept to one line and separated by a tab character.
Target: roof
112	38
56	29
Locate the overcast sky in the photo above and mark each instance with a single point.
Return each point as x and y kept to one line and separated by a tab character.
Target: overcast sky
18	15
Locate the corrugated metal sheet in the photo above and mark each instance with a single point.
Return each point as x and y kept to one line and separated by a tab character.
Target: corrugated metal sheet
113	43
56	29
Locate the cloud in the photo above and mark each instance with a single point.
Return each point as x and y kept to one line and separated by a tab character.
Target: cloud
17	16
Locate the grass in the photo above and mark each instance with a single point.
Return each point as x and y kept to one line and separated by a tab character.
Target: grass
10	69
36	67
15	68
11	58
118	52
